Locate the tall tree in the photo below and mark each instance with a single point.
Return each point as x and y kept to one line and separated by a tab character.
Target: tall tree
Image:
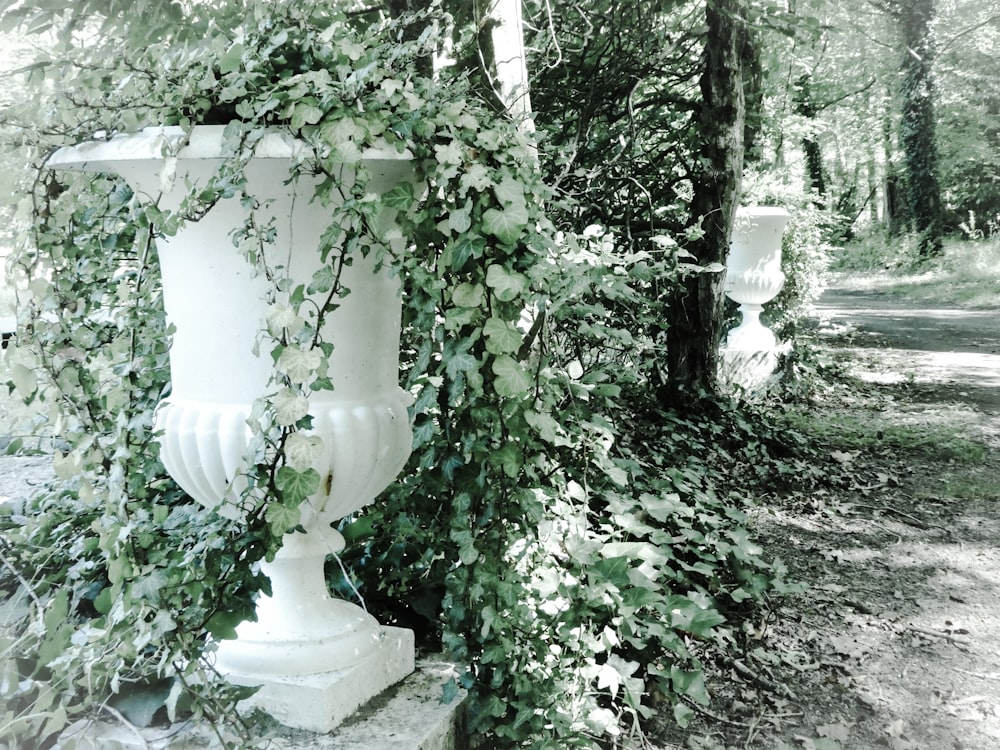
917	127
695	308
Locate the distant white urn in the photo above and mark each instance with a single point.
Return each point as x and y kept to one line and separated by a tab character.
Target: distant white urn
753	273
318	657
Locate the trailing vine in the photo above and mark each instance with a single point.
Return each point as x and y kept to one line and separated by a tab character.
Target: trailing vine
574	564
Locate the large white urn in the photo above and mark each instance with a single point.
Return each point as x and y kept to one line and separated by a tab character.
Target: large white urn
317	658
753	273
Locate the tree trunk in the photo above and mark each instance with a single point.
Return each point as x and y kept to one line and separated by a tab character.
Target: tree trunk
806	107
917	126
694	310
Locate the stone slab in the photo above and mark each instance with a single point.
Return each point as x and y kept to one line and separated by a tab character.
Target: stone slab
751	372
409	716
321	702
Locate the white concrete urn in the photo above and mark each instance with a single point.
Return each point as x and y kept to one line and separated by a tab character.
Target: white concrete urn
317	658
753	273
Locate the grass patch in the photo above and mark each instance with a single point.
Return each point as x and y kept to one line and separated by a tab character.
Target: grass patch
967	274
926	442
979	483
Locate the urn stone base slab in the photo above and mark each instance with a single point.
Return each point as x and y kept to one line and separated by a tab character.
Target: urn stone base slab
408	716
321	702
752	373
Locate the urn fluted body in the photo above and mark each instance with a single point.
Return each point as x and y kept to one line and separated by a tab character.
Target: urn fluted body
305	643
753	273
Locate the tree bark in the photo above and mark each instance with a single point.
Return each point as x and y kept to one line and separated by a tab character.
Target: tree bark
694	310
917	125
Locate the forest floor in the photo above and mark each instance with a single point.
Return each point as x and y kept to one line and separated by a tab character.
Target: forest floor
895	640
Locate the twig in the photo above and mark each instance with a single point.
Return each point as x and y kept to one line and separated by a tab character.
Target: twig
744	671
913	520
944	636
715	717
24	583
128	724
980	675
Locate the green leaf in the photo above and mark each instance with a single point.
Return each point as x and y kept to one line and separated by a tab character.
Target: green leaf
509	458
458	363
449	691
141	702
401	196
511	377
233	59
510	192
322	281
305	114
687	616
296	486
281	518
458	252
690	682
468	295
459	219
506	224
222	625
683	715
506	285
501	337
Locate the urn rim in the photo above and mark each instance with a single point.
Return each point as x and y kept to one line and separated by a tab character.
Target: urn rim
158	142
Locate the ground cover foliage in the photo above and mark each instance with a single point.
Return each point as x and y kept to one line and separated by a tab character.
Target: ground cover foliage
576	542
891	526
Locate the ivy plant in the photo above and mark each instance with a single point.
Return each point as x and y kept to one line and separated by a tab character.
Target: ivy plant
549	526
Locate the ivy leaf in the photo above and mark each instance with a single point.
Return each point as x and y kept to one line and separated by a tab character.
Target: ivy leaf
25	380
506	285
142	702
299	364
501	337
305	114
509	458
690	683
222	625
510	192
683	715
457	253
687	616
468	295
232	60
401	196
459	219
289	407
458	363
295	486
281	518
506	224
322	281
511	378
302	450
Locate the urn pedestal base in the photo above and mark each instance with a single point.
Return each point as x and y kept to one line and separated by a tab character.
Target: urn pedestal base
751	373
321	702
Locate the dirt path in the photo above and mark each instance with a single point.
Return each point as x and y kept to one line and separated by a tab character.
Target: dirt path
956	350
895	643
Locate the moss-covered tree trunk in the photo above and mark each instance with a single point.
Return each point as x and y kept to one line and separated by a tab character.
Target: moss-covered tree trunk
694	310
917	125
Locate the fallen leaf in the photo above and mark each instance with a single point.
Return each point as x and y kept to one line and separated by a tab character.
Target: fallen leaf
838	731
895	728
